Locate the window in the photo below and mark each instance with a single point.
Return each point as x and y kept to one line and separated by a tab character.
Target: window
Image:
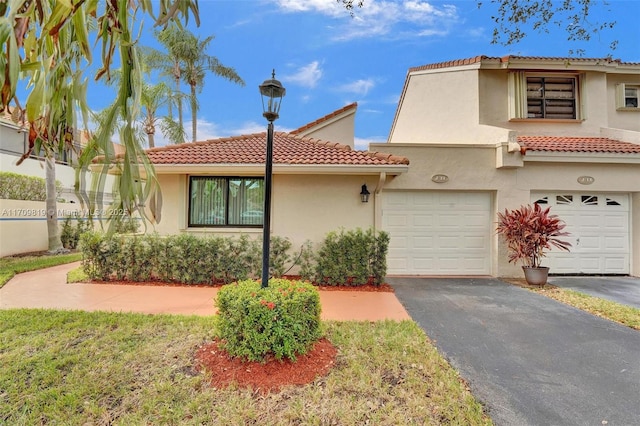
225	201
540	96
627	97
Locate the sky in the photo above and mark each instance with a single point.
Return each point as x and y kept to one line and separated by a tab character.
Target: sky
326	58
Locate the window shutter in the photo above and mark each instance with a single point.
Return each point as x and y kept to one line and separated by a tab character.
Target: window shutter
517	95
582	97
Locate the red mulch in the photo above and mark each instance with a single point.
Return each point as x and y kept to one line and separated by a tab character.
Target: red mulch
383	288
265	377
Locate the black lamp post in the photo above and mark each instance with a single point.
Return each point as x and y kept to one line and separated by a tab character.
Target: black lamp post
272	92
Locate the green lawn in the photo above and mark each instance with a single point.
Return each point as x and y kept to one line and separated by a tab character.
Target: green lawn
61	367
9	266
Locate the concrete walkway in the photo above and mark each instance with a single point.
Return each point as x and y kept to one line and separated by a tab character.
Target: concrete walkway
529	359
47	288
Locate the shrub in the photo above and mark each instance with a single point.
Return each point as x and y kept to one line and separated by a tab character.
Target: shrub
98	255
70	235
182	258
279	256
14	186
353	257
282	320
529	231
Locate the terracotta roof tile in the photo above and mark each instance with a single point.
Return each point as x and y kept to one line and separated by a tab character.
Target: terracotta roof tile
325	118
506	59
577	144
250	149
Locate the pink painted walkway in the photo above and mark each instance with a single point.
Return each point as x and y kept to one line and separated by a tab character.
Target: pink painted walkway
47	288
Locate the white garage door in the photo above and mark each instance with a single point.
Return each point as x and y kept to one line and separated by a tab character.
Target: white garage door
438	233
600	233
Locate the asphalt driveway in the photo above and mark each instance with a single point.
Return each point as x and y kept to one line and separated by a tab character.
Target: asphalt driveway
529	359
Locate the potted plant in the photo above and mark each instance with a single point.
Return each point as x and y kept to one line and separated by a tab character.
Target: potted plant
529	231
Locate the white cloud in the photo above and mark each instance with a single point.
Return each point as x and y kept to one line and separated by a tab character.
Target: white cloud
362	144
327	7
397	19
249	128
306	76
359	87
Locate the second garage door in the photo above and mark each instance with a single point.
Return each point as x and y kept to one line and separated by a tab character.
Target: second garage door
599	230
438	233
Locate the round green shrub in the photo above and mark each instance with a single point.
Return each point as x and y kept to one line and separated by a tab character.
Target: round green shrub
282	320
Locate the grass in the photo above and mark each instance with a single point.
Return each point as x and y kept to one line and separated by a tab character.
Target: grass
77	275
622	314
9	266
71	367
613	311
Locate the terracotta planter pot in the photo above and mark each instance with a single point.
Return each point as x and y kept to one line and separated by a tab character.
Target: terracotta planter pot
536	276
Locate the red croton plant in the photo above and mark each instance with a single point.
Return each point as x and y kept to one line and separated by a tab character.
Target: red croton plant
529	231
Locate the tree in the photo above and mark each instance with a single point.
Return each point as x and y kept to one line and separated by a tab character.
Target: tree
196	64
173	39
152	98
186	60
513	16
47	43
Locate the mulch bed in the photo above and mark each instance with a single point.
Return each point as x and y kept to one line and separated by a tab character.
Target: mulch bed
272	375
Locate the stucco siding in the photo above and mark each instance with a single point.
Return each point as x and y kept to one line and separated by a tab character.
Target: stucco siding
304	207
473	169
438	107
629	120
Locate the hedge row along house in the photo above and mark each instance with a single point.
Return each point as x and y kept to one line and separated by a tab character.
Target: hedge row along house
470	138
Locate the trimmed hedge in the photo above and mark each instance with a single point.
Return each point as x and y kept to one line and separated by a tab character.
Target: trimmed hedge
14	186
354	257
282	320
182	258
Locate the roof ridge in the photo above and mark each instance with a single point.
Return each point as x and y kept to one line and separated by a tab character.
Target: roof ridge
507	58
204	142
324	118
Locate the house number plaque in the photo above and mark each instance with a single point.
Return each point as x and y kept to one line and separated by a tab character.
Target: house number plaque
440	178
586	180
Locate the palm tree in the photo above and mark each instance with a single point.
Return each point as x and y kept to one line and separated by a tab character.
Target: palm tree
47	43
174	41
153	97
195	67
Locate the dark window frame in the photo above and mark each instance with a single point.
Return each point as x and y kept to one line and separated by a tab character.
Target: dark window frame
226	224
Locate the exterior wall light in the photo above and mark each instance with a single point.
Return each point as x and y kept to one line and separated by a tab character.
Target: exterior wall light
364	194
272	93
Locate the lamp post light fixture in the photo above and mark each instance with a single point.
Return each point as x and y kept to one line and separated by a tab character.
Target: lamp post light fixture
272	93
364	194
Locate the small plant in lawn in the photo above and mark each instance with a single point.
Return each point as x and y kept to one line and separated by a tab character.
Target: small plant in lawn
282	320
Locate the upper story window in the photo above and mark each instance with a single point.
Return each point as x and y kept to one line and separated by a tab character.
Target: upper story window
544	96
628	97
225	201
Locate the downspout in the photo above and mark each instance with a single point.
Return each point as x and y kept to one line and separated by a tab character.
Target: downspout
377	205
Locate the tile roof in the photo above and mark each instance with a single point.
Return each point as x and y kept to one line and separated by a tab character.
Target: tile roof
577	144
287	149
327	117
510	58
